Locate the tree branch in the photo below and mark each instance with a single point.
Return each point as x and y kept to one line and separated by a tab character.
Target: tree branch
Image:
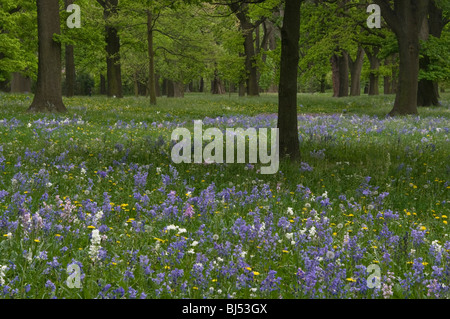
389	14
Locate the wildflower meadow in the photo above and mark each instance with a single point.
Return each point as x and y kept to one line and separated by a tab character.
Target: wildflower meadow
92	206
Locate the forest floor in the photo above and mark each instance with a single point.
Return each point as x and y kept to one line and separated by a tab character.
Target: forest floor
93	206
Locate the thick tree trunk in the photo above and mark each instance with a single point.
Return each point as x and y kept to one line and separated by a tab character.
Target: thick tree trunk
355	72
428	91
175	89
374	78
48	97
289	146
151	59
340	72
406	98
113	67
335	74
343	75
114	76
405	19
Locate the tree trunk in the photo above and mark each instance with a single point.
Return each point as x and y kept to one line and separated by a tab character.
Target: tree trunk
289	146
335	74
355	71
170	88
242	89
241	11
340	72
202	85
113	67
175	89
374	78
48	97
165	88
102	85
20	83
151	59
406	98
323	83
250	63
217	86
428	90
405	19
343	75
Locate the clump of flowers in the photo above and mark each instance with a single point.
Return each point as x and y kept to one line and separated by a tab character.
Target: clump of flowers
95	247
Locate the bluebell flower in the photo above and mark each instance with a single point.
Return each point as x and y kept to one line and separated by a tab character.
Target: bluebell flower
49	284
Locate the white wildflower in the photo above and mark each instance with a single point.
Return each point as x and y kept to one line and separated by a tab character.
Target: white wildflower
312	231
330	254
435	244
98	215
3	269
95	244
172	227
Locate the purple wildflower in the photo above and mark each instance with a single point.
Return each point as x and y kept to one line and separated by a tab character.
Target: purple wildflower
189	211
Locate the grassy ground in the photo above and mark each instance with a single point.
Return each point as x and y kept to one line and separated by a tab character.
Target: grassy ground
370	191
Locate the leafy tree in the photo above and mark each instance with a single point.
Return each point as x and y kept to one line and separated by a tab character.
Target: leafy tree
17	38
